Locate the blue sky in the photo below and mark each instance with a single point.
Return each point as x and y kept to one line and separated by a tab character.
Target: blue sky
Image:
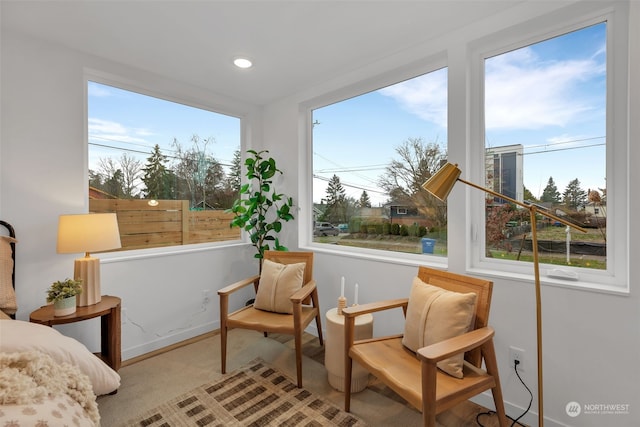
549	97
131	123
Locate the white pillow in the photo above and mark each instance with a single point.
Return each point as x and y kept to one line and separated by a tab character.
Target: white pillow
19	336
277	283
435	314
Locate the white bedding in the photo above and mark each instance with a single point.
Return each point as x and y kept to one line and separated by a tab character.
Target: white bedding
35	390
30	355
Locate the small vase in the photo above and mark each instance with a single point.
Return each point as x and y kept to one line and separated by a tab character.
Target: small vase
64	307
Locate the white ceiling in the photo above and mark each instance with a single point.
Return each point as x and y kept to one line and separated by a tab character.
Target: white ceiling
293	44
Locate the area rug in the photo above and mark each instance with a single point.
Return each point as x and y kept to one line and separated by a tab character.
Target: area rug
254	395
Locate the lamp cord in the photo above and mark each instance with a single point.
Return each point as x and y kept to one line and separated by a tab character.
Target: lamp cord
517	420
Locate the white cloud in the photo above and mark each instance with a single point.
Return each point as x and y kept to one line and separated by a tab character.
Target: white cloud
424	96
115	132
523	92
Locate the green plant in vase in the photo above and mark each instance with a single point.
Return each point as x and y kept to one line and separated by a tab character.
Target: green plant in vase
263	210
63	296
64	289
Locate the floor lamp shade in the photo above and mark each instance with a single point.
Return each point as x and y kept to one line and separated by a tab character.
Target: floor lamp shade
88	233
441	183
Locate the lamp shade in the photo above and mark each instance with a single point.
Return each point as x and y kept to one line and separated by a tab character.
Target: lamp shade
91	232
441	183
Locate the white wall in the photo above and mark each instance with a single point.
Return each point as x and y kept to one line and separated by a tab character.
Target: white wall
591	340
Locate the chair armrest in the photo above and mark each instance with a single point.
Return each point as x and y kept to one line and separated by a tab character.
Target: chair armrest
434	353
358	310
302	293
238	285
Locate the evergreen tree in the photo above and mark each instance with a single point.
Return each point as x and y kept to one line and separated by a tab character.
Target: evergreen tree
336	198
156	177
550	194
365	201
528	195
234	178
574	196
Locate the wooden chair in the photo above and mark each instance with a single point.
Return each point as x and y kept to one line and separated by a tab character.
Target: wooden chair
304	302
417	379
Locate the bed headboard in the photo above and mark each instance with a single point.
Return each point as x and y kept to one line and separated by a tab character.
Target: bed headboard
8	279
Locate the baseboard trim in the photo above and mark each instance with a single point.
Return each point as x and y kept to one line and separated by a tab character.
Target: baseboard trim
166	348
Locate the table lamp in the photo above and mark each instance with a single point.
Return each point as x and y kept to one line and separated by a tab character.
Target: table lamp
440	185
88	233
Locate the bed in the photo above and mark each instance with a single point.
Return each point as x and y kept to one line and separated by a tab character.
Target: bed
46	378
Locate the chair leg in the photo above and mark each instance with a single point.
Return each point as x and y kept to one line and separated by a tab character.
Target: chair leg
298	340
319	327
223	349
429	374
490	362
348	368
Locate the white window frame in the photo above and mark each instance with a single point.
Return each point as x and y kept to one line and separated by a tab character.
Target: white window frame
305	231
137	86
615	278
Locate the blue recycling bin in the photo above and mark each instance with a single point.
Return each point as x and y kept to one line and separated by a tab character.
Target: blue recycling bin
428	245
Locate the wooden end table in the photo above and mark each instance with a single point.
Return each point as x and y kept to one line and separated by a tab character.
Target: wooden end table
108	309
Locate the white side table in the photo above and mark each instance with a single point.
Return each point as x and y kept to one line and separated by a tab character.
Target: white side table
334	350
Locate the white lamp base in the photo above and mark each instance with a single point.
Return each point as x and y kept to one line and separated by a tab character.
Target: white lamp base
87	269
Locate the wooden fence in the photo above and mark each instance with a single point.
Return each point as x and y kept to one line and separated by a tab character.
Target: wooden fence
170	223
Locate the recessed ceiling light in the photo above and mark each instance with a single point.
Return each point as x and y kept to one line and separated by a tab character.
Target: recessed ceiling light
242	63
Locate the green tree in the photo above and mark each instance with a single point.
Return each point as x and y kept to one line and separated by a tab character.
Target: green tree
336	198
528	195
365	201
234	177
550	194
158	180
573	195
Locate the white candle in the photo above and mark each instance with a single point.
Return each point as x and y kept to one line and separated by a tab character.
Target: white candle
355	297
342	287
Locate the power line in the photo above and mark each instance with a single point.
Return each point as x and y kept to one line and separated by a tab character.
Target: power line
345	184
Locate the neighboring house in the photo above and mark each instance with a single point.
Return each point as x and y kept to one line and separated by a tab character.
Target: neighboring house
407	215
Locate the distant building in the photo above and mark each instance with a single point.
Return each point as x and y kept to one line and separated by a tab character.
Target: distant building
504	171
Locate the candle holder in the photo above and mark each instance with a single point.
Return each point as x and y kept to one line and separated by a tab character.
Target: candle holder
342	303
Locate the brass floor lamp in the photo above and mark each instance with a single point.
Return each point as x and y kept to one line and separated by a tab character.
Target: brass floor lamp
440	185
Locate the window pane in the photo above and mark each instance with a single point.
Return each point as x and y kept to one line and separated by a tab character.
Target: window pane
545	143
168	170
371	154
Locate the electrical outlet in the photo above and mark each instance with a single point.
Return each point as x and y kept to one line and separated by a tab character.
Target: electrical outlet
516	354
206	296
123	316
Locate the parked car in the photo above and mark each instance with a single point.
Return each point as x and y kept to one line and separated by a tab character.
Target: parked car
325	229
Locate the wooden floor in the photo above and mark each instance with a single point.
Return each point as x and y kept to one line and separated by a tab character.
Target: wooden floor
465	414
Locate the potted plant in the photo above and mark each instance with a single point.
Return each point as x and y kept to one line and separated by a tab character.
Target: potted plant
63	296
263	210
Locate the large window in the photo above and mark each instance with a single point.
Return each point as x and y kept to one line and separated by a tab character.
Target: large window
545	143
168	170
371	153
